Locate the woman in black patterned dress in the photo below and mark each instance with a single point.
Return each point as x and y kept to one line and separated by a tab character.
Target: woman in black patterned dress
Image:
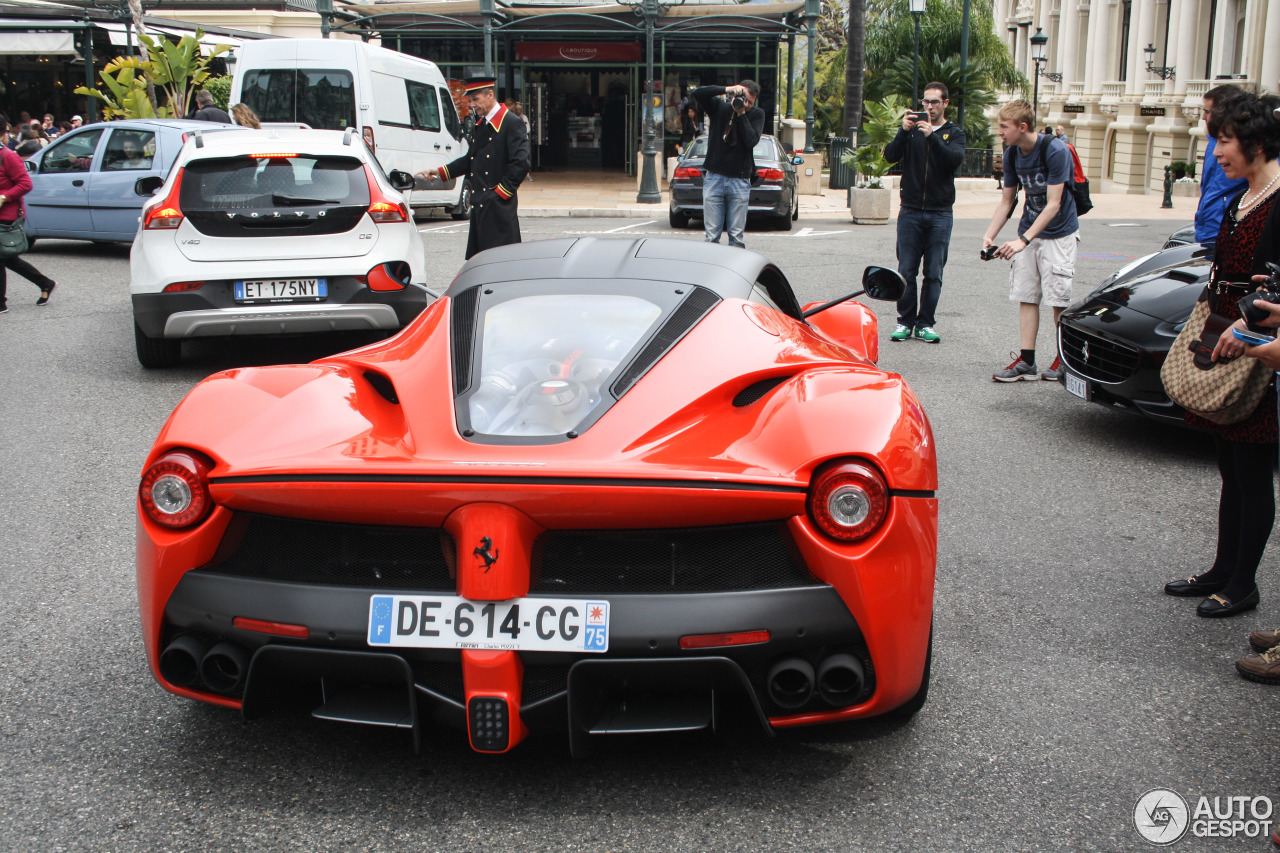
1248	137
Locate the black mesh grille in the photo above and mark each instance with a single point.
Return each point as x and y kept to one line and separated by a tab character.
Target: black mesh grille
754	392
287	549
705	559
541	681
464	328
692	309
1097	357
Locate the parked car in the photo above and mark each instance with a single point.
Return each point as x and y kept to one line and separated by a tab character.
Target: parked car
273	232
1114	341
1184	236
773	189
609	486
82	183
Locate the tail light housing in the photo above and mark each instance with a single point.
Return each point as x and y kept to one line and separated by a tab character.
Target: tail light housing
687	172
166	213
769	174
382	208
367	134
183	286
175	490
393	275
848	500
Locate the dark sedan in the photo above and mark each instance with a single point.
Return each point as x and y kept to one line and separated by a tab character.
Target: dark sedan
1114	342
773	189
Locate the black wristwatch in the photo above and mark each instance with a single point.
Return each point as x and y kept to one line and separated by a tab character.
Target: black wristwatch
1024	239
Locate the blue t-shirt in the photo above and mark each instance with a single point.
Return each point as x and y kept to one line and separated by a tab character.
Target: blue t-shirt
1026	170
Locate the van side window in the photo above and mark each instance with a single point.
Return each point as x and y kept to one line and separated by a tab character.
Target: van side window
451	121
424	112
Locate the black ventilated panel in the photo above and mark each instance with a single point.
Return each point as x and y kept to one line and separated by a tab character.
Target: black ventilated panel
1097	357
702	559
692	309
754	392
541	681
464	329
295	551
444	679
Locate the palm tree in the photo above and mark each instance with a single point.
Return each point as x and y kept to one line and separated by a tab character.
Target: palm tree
855	63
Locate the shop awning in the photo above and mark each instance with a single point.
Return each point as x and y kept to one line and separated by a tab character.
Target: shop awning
12	43
119	37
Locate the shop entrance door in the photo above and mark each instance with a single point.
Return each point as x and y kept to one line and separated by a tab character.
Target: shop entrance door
589	116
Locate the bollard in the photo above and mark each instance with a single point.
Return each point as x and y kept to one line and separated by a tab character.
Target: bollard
1168	189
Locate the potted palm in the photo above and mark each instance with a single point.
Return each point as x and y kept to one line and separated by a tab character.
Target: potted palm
869	197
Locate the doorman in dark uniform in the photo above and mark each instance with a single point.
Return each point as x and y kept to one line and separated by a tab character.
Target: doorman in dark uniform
496	163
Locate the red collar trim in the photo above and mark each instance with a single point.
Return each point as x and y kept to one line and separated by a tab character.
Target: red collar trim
497	119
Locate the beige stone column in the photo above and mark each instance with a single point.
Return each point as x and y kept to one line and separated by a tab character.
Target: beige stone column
1270	74
1224	34
1069	42
1139	36
1097	58
1185	14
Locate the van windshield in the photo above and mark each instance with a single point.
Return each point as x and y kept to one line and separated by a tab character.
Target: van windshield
322	99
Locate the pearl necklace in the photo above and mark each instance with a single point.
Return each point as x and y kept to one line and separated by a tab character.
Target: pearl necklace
1261	193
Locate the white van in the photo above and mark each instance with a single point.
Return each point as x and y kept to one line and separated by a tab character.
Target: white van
400	103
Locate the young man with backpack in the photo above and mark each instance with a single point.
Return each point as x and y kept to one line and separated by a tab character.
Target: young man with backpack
1044	250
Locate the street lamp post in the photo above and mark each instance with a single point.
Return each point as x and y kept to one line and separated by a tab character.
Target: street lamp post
649	101
1038	41
812	9
917	12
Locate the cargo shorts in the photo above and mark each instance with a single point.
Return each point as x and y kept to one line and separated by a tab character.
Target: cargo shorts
1042	272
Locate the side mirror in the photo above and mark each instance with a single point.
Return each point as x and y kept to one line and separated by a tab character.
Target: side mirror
401	180
147	186
797	161
883	283
31	167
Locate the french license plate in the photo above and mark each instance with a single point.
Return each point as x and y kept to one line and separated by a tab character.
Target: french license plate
281	289
1078	386
521	624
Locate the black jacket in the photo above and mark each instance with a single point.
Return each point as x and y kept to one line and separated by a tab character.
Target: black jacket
212	113
928	165
496	165
732	159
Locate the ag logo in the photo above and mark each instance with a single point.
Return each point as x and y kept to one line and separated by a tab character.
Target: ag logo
1161	816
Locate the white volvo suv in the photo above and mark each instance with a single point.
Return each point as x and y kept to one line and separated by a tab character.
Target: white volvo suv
273	232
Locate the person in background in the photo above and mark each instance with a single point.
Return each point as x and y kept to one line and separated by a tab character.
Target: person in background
1248	142
28	144
518	109
63	127
1215	187
242	115
50	128
208	111
690	127
76	121
930	151
14	184
1044	250
732	134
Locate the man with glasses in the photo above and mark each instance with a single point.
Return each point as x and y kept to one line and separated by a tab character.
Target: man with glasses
930	149
733	129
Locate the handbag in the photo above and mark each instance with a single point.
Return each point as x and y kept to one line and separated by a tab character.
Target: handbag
1224	392
13	238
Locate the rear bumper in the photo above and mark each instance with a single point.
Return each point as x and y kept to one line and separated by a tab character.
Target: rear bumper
769	199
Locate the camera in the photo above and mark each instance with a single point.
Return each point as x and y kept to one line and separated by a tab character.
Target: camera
739	102
988	253
1270	292
919	116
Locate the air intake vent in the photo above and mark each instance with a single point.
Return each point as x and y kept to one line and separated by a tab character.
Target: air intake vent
691	310
382	385
464	329
751	393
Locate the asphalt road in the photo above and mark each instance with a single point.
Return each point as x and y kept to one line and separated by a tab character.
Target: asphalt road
1065	684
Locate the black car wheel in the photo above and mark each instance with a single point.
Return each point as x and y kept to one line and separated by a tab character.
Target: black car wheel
463	208
680	218
783	222
795	214
156	352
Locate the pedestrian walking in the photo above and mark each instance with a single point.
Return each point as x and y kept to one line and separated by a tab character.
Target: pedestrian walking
733	129
1044	251
208	110
930	150
14	184
496	164
244	116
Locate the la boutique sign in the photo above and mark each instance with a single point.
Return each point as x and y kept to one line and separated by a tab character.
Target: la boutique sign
561	51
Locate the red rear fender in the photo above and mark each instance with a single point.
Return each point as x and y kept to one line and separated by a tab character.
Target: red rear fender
852	324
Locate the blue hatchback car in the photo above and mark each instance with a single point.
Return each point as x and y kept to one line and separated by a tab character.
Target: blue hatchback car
83	182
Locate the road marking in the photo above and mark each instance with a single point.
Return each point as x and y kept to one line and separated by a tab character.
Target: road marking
440	227
625	227
809	232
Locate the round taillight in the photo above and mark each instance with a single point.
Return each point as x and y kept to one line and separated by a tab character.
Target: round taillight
848	501
175	490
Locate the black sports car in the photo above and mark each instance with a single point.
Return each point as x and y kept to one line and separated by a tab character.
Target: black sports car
1115	340
773	189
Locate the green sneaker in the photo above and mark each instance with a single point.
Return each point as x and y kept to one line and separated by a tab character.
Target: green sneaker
928	335
901	333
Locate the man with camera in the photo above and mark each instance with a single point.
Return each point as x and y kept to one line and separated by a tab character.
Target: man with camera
733	129
1044	251
930	149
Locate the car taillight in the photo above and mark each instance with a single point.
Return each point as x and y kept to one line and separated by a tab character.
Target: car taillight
175	489
848	500
368	137
183	286
166	213
769	174
393	275
381	208
687	172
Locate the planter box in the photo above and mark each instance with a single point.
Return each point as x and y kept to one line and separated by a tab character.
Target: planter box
869	207
1186	190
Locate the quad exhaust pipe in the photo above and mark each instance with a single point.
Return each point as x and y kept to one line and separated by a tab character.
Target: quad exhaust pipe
223	667
180	661
188	661
838	680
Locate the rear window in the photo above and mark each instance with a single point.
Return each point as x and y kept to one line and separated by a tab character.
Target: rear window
258	182
320	98
764	149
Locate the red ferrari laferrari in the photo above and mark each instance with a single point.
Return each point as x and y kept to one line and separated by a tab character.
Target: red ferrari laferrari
602	486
